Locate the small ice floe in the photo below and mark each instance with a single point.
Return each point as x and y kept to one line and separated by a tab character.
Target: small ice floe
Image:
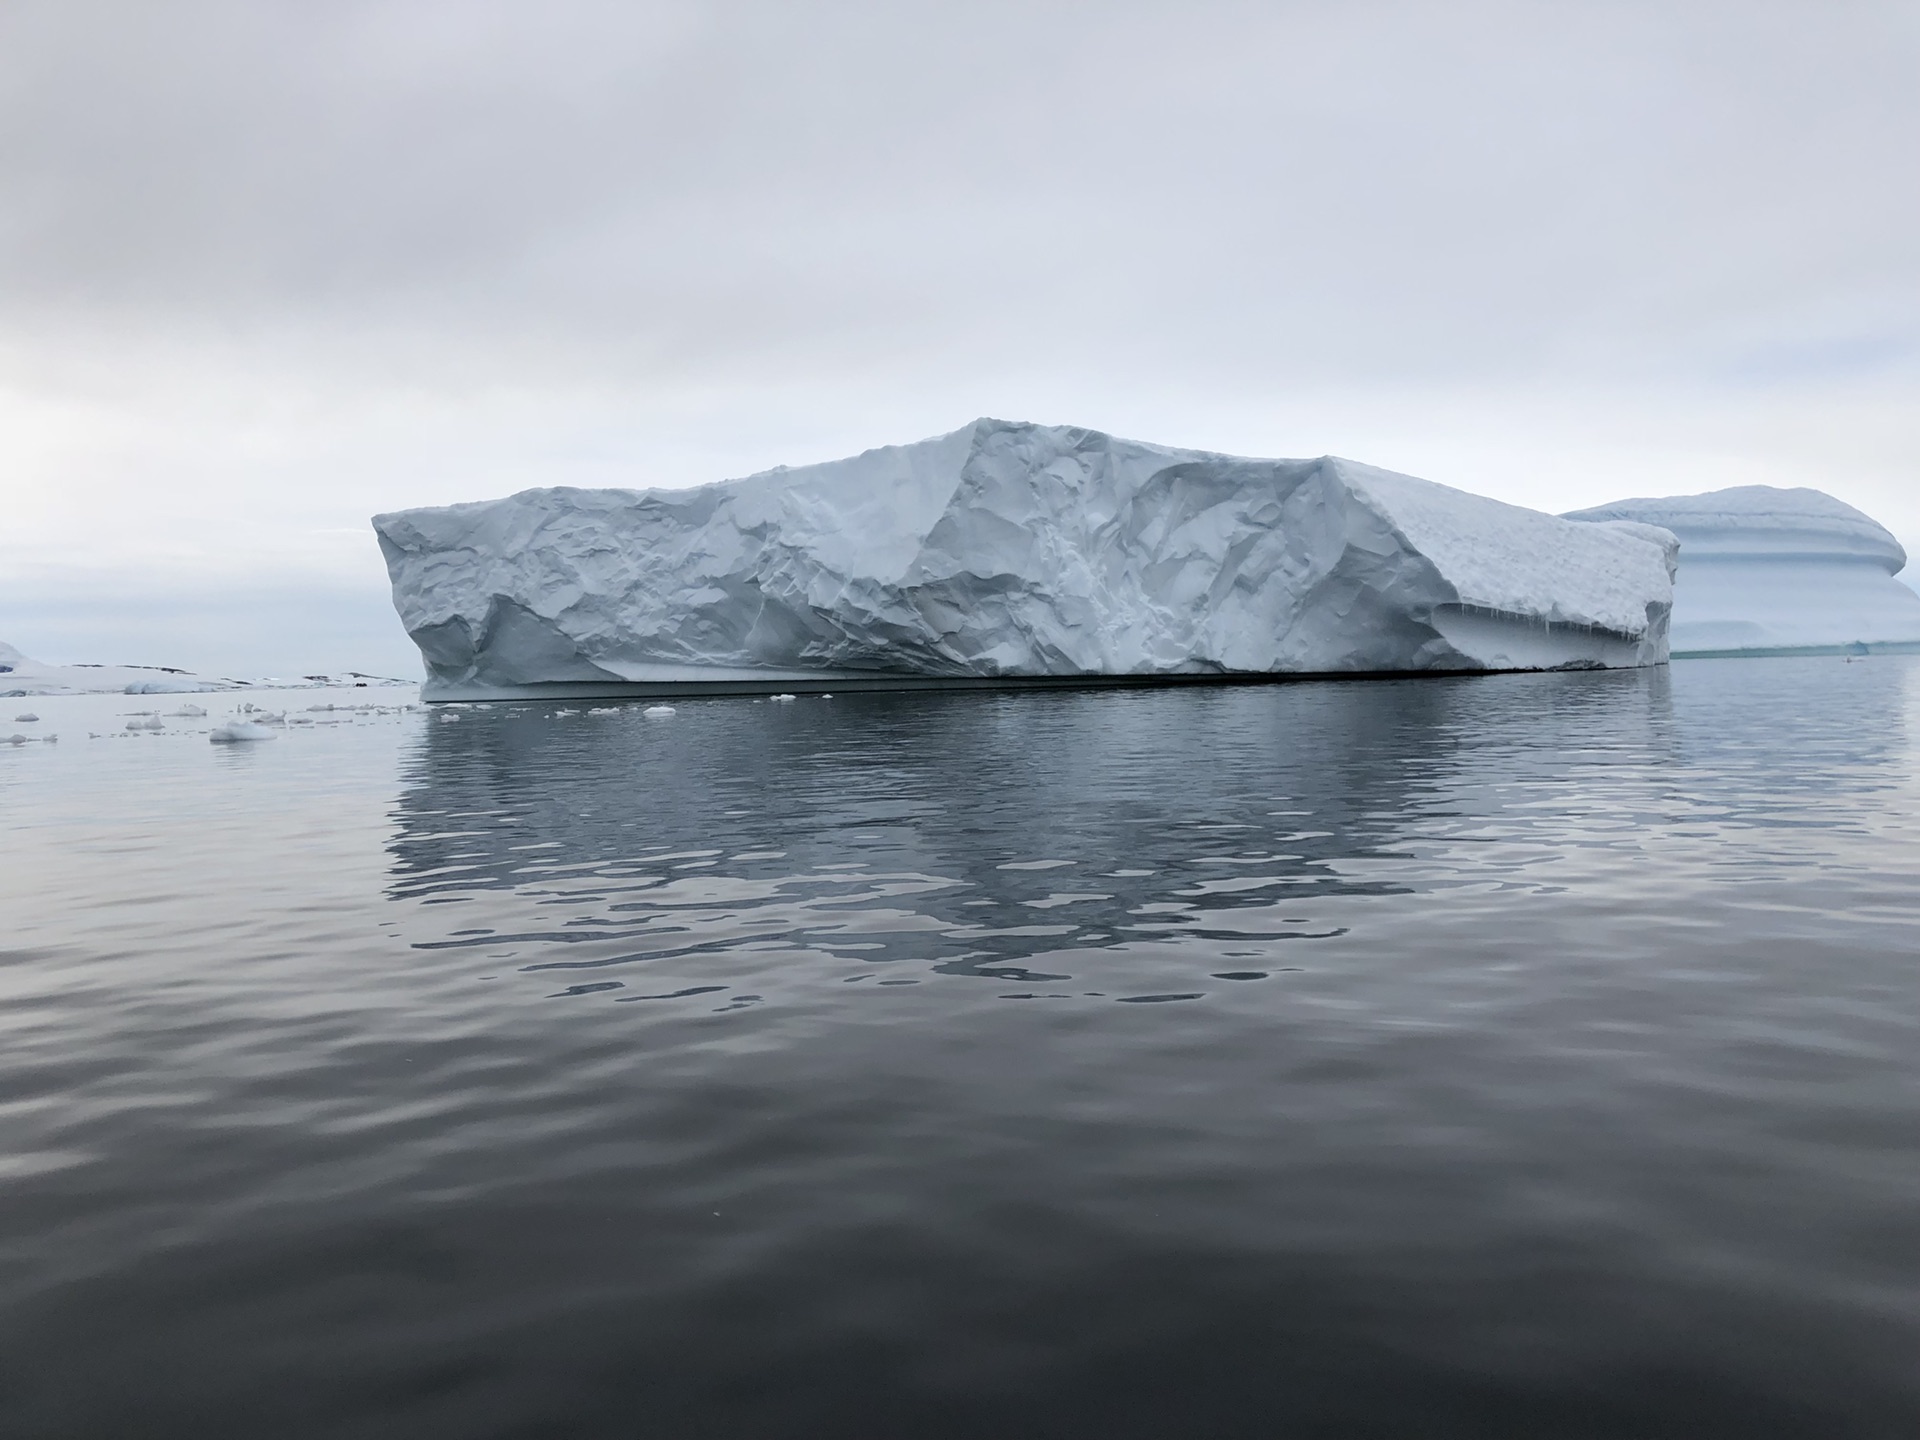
27	719
558	713
658	710
605	710
150	722
449	719
16	739
777	699
191	712
235	732
826	697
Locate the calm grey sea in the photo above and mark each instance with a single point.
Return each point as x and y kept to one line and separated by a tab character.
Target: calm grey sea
1530	1056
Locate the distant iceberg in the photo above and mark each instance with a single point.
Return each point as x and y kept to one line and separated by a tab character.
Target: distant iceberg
1766	570
1010	553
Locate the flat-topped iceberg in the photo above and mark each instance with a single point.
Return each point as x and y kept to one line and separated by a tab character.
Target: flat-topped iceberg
1773	570
1005	553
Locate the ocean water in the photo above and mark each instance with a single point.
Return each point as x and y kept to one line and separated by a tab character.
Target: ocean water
1515	1056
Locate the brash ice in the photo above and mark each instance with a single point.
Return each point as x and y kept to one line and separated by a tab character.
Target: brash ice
1006	553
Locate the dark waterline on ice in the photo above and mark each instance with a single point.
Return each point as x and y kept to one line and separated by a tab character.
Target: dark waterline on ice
1526	1056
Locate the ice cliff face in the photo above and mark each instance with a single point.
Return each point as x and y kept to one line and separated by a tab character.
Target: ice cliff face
1771	569
1007	551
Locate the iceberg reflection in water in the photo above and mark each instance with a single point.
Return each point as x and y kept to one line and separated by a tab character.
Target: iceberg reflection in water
1514	1056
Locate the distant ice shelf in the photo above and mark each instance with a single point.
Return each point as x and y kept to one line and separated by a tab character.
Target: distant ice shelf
1777	571
22	675
1007	554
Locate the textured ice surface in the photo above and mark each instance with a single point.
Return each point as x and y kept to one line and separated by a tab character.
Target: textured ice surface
1006	551
1770	569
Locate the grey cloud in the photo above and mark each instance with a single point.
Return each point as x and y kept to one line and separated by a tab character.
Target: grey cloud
1296	192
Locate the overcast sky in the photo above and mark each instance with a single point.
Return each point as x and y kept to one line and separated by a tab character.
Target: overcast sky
267	269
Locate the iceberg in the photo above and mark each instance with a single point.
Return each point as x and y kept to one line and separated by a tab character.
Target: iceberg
1778	571
1007	554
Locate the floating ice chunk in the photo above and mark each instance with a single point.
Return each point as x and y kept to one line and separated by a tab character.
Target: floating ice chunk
780	698
604	710
449	719
658	710
558	713
16	739
1008	552
236	731
151	722
27	719
190	712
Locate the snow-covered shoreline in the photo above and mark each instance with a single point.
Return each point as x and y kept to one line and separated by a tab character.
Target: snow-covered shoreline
22	676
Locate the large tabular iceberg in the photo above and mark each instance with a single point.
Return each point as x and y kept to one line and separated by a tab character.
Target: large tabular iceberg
1005	553
1779	571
